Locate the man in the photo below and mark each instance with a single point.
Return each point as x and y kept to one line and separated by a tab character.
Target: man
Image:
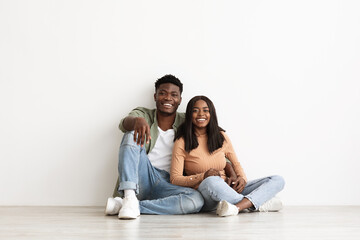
145	159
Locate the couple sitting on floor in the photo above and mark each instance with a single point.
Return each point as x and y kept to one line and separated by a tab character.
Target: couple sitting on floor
197	172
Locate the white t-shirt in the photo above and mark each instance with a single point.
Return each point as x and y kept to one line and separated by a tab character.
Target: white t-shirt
160	155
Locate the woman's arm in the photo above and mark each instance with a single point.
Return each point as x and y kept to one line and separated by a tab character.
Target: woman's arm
236	175
177	168
230	154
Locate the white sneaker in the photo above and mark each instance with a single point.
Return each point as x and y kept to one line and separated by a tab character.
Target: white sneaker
273	205
130	208
113	206
226	209
219	207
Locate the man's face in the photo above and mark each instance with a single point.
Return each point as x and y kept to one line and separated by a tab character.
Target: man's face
167	98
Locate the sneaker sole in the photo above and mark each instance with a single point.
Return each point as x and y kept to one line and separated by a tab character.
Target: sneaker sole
219	207
224	208
110	206
128	216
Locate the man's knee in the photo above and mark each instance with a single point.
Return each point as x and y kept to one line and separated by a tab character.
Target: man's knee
128	144
128	139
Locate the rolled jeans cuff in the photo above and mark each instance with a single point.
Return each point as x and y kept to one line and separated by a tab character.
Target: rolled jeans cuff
127	186
256	207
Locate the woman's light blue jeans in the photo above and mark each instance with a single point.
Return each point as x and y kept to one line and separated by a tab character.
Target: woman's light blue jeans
154	190
214	189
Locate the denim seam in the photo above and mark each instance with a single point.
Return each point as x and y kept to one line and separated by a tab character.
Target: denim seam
133	147
154	186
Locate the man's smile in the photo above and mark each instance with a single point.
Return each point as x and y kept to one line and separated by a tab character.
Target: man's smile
167	105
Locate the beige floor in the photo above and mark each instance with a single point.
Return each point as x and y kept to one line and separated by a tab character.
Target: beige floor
90	223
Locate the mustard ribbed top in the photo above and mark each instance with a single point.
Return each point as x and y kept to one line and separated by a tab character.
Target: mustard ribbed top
199	160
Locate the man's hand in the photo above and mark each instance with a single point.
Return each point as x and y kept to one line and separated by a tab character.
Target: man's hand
237	183
211	172
141	131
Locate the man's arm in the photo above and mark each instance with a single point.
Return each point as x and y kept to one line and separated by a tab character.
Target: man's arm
141	129
229	170
237	183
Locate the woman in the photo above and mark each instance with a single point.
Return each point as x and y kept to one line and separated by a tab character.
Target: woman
199	157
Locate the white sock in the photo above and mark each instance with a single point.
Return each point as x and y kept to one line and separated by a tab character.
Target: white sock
129	193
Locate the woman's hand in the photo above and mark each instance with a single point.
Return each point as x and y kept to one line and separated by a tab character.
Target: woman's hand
211	172
237	183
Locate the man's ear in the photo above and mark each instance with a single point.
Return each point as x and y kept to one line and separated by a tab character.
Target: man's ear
155	97
180	100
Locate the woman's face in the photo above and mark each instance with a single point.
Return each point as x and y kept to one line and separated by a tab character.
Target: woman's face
200	114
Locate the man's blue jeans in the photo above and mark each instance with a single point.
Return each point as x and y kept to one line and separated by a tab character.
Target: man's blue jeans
214	189
154	190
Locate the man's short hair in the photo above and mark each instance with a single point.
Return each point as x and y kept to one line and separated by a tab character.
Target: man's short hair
169	79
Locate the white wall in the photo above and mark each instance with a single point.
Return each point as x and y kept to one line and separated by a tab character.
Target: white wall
284	76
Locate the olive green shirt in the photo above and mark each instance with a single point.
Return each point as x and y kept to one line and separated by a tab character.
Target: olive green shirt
150	116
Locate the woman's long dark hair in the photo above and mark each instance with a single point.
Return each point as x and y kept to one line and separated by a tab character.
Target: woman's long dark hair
186	130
